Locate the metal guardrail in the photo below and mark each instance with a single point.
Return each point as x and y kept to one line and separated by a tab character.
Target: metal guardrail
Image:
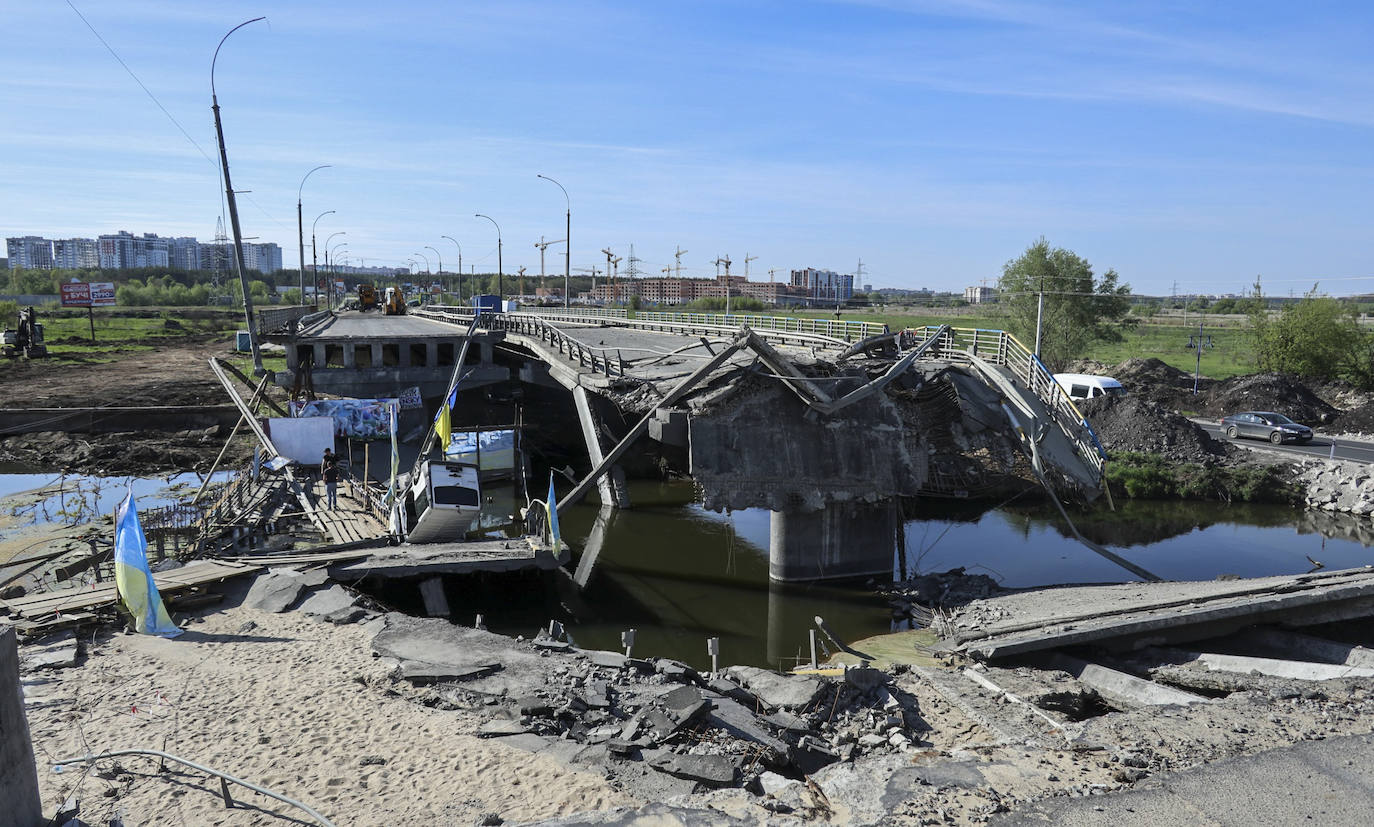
834	328
279	319
1003	349
605	361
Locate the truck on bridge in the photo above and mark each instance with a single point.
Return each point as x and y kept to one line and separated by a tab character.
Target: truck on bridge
367	297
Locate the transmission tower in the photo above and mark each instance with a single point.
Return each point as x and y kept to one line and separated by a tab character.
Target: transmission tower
632	270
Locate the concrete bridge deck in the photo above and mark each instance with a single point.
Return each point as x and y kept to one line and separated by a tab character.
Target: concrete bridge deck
793	420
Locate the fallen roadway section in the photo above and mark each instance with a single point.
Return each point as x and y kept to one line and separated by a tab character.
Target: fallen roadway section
1128	616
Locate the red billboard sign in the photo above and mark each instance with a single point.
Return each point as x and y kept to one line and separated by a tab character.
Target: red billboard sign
76	294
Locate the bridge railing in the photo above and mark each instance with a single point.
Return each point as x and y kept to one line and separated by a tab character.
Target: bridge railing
848	331
605	361
277	319
1001	348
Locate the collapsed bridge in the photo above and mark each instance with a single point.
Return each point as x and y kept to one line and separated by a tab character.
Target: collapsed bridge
824	423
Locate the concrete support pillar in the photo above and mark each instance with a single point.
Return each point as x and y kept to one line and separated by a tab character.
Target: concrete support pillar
432	591
486	350
432	354
611	487
18	774
376	355
319	356
350	355
840	540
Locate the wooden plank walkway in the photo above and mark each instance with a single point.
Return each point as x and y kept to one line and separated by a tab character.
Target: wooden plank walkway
168	582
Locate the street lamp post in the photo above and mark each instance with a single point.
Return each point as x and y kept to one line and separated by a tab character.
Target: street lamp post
439	258
460	266
314	258
500	272
329	278
300	226
426	258
331	267
567	242
234	208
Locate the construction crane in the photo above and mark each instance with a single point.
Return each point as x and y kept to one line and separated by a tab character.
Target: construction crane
609	265
748	258
678	256
725	259
544	245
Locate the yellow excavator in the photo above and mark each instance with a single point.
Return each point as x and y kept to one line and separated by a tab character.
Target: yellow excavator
367	297
395	304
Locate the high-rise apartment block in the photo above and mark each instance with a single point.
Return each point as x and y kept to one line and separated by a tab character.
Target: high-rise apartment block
824	285
124	251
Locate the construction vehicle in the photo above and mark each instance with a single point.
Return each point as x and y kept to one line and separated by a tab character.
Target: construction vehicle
27	338
367	297
395	304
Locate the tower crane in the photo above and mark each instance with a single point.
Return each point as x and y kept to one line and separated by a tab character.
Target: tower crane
544	245
678	256
748	258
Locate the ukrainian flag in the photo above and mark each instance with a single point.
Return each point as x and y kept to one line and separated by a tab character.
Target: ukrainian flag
552	505
133	578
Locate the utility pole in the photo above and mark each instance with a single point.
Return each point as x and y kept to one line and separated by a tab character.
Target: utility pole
1198	341
522	280
678	256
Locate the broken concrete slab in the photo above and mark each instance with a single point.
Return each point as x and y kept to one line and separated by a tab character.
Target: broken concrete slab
325	602
1273	667
1120	689
778	691
275	591
59	651
1275	642
433	643
740	722
501	727
715	770
608	660
419	672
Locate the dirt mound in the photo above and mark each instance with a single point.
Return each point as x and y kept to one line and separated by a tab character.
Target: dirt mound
1356	406
1134	423
1267	392
1152	372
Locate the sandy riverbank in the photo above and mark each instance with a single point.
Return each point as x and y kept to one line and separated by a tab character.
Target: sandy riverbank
292	704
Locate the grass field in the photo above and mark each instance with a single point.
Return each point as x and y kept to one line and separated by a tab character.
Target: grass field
1165	339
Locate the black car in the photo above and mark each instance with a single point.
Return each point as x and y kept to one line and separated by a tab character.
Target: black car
1274	427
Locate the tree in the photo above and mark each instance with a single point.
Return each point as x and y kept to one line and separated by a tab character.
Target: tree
1316	337
1079	309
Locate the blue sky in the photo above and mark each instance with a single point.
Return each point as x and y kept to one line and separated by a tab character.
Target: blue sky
1200	144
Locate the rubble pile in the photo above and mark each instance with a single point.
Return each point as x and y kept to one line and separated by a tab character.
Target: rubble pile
655	724
917	600
1275	392
1337	486
1134	423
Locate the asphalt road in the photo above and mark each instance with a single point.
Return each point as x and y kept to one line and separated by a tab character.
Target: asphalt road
1319	448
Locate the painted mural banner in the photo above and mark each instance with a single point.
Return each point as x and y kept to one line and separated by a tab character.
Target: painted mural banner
365	419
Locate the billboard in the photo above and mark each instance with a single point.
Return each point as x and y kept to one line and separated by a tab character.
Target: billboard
83	294
76	294
102	293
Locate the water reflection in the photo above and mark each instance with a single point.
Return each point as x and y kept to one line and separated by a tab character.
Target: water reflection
679	574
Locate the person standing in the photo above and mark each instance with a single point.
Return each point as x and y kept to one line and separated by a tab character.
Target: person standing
329	471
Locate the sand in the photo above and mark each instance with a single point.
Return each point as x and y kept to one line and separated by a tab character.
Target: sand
291	704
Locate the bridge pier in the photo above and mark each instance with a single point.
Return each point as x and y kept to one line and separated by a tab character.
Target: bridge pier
840	540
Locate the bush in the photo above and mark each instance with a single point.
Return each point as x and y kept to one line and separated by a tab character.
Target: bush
1152	476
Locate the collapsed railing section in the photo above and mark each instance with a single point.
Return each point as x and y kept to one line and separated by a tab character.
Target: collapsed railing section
281	319
598	360
1000	348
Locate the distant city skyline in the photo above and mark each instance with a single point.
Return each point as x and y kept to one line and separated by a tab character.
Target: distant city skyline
1201	144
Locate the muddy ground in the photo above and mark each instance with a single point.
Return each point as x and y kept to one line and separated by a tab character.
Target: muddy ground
175	373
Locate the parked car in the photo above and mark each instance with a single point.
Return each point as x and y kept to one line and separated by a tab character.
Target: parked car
1274	427
1088	386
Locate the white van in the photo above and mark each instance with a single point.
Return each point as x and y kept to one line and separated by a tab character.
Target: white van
1088	386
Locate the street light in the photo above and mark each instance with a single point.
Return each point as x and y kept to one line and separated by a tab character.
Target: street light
500	273
300	227
329	283
567	242
234	208
426	258
440	259
314	259
460	266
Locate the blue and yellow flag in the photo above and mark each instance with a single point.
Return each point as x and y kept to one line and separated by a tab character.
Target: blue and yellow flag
552	505
133	578
443	426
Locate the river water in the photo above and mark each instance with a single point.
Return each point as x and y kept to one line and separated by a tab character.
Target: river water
679	574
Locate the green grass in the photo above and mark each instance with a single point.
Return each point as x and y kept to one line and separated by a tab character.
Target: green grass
1163	339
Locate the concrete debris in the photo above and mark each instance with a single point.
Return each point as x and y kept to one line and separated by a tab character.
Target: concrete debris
714	770
56	651
277	590
1346	487
327	602
778	691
